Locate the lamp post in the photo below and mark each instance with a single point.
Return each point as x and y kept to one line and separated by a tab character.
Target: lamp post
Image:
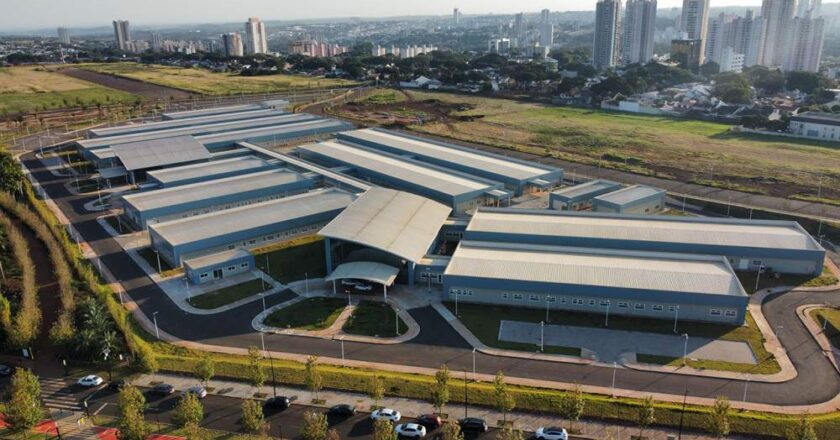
262	297
396	321
758	275
612	387
676	316
685	348
546	309
466	396
154	318
473	359
746	385
542	336
456	304
157	254
262	341
342	350
607	314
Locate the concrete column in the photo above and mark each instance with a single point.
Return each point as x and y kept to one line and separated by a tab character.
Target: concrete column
411	266
328	254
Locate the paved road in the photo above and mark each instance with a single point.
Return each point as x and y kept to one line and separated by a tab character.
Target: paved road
438	343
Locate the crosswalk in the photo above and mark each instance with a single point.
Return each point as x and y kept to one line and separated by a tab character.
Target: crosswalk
57	393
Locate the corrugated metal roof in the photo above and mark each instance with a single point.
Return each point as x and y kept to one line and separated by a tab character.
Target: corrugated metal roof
462	156
216	167
159	152
212	111
410	171
208	190
175	123
365	270
595	267
216	259
287	130
584	189
220	223
629	194
665	229
396	222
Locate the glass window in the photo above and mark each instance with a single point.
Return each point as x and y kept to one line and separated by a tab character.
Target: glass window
563	300
622	304
231	268
243	265
518	296
714	312
550	299
505	295
639	306
672	308
657	307
731	313
591	302
605	303
534	297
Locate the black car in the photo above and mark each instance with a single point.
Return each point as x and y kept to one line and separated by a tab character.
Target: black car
5	370
163	389
472	424
117	385
342	410
429	421
279	402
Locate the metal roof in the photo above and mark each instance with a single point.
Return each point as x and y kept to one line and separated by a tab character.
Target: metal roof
584	189
435	178
220	223
216	259
629	194
817	118
652	271
208	190
365	270
212	111
159	152
175	123
293	129
466	157
396	222
216	167
771	234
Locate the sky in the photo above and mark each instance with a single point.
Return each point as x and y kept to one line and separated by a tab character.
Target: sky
38	14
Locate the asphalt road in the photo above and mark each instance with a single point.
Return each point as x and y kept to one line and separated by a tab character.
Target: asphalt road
438	343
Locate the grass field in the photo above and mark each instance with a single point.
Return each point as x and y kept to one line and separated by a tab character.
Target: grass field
211	83
769	280
374	318
830	318
294	260
688	150
227	295
309	314
32	88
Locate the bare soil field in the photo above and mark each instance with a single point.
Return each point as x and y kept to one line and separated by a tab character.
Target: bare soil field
140	88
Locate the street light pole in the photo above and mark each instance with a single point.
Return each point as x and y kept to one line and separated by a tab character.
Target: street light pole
262	340
685	348
342	351
746	385
546	309
154	318
607	315
466	396
612	387
676	316
758	275
473	359
396	321
542	336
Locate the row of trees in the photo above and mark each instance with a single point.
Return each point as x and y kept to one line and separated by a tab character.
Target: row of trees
20	315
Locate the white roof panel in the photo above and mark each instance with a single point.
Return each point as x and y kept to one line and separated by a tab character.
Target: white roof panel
160	152
365	270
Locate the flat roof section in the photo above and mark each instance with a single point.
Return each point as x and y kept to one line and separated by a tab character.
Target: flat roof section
665	229
160	152
216	259
629	194
492	163
651	271
176	123
211	111
400	223
170	176
178	195
220	223
423	175
584	190
297	129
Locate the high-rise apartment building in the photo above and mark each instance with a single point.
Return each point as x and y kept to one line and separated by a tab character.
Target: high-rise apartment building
157	42
778	20
687	53
719	35
693	21
518	30
749	38
804	50
63	35
546	29
122	34
232	44
456	16
607	31
638	30
255	38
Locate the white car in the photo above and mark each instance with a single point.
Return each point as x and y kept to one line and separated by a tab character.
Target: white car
412	430
387	414
363	287
551	433
348	282
90	380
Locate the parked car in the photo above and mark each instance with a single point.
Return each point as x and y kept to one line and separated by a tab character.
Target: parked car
5	370
91	380
117	385
430	421
551	433
342	410
363	287
162	389
387	414
472	424
197	391
412	430
348	282
278	402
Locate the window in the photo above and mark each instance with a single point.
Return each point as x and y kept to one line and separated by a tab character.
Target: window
639	306
204	275
252	241
534	298
605	303
657	307
731	313
756	262
230	246
231	268
578	301
505	295
550	299
563	300
243	265
714	312
672	308
591	302
518	296
622	304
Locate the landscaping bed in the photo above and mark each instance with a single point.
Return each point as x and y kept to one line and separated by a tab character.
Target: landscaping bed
293	261
228	295
830	318
374	318
309	314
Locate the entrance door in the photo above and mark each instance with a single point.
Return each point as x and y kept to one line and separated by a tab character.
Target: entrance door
218	274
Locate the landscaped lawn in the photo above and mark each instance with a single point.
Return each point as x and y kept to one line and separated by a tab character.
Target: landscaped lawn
211	83
769	280
295	262
229	294
309	314
374	318
832	327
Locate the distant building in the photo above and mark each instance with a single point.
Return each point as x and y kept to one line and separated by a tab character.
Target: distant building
749	38
778	20
693	21
456	16
546	29
813	125
255	38
63	35
731	61
518	30
805	45
637	31
605	44
122	34
687	53
314	48
157	42
232	43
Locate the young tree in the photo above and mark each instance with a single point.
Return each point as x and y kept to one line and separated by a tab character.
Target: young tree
131	424
313	379
189	410
256	371
383	430
11	174
194	431
509	433
802	430
376	389
504	400
314	426
717	421
206	369
572	405
24	409
647	414
440	391
332	434
253	419
451	431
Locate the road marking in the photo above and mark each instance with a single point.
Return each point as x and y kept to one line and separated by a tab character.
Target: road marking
100	408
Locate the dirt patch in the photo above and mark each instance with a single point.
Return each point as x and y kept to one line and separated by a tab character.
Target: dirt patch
146	90
406	113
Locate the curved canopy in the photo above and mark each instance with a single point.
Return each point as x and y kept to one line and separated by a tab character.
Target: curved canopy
396	222
365	270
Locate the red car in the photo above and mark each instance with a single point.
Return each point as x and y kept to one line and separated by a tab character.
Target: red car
429	421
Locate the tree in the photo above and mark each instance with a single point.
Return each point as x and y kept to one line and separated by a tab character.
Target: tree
10	173
510	433
571	405
332	434
256	372
504	400
732	87
647	415
313	379
314	426
710	68
253	419
189	410
717	421
131	423
805	82
206	369
194	431
440	391
802	430
383	430
451	431
376	389
24	409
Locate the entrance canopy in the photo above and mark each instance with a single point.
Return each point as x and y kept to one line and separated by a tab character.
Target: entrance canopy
365	270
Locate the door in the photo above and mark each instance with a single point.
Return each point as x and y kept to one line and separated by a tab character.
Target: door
218	274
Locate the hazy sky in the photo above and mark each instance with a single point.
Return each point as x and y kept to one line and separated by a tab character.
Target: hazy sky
33	14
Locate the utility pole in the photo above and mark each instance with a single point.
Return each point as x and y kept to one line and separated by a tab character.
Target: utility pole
682	414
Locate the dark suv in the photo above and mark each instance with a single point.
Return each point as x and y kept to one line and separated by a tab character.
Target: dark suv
472	425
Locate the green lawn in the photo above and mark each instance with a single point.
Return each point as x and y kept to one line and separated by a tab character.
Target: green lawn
295	263
769	280
309	314
832	326
228	294
374	318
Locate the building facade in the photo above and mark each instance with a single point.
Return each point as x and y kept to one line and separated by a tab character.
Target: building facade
687	53
638	30
122	34
778	19
605	46
694	21
232	43
63	35
636	199
255	38
821	126
805	45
